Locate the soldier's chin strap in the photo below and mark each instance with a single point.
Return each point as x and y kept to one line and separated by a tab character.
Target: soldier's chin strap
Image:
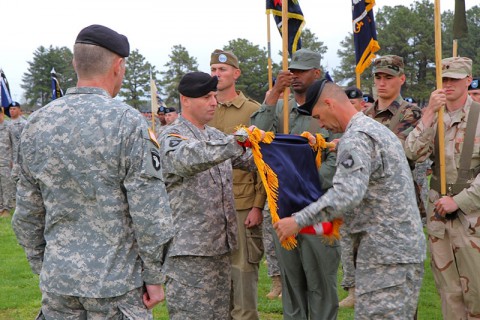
464	171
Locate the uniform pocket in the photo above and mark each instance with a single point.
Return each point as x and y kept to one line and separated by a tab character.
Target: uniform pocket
255	247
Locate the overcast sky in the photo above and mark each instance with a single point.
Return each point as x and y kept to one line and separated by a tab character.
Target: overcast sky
154	27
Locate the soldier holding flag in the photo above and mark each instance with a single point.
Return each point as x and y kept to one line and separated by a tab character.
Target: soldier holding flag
453	219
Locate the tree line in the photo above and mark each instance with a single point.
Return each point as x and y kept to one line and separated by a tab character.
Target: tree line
404	31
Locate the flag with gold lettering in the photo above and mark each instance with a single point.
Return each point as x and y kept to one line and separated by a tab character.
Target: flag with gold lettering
364	34
296	22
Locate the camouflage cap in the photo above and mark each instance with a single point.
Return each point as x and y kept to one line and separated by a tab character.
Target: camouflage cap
475	85
456	67
389	64
226	57
305	59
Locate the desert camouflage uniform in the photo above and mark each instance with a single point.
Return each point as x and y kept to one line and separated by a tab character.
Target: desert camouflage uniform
197	168
373	175
455	243
15	129
248	193
7	188
92	211
312	259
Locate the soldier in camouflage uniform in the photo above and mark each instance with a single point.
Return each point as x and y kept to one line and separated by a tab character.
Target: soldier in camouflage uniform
372	175
17	122
234	109
453	220
391	110
474	89
92	211
197	163
7	188
312	259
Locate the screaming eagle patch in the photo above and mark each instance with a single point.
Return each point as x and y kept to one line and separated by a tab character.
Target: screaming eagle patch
347	161
155	159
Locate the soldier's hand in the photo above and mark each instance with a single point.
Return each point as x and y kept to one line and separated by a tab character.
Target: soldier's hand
437	100
445	205
254	218
286	227
283	81
154	295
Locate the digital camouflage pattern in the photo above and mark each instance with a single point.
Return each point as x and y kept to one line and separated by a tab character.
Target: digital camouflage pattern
248	192
197	168
92	211
7	188
371	165
198	287
127	306
15	130
273	268
454	244
374	177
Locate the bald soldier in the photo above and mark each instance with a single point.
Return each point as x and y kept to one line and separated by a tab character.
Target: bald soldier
92	211
373	191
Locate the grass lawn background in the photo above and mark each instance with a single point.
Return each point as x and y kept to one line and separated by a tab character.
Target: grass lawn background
20	295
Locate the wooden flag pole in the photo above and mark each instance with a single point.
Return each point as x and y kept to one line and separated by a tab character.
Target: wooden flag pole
270	77
358	79
440	128
455	48
286	93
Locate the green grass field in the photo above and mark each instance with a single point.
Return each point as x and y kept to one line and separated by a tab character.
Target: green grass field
20	295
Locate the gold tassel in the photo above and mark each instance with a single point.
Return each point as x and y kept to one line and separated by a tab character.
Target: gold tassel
270	179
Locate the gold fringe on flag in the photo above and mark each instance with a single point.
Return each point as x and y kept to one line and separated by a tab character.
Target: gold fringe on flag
270	179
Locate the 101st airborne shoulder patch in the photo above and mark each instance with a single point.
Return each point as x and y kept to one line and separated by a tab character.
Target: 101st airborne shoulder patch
176	142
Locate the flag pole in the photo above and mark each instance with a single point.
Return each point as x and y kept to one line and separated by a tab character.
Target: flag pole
438	69
270	77
455	48
286	93
153	97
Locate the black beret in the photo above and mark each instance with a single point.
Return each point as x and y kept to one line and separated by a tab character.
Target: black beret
354	93
474	85
14	104
170	109
313	93
105	37
197	84
368	98
161	109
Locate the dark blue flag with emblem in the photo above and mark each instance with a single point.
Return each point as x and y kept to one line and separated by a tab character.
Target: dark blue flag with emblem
57	92
296	22
364	34
288	166
6	98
